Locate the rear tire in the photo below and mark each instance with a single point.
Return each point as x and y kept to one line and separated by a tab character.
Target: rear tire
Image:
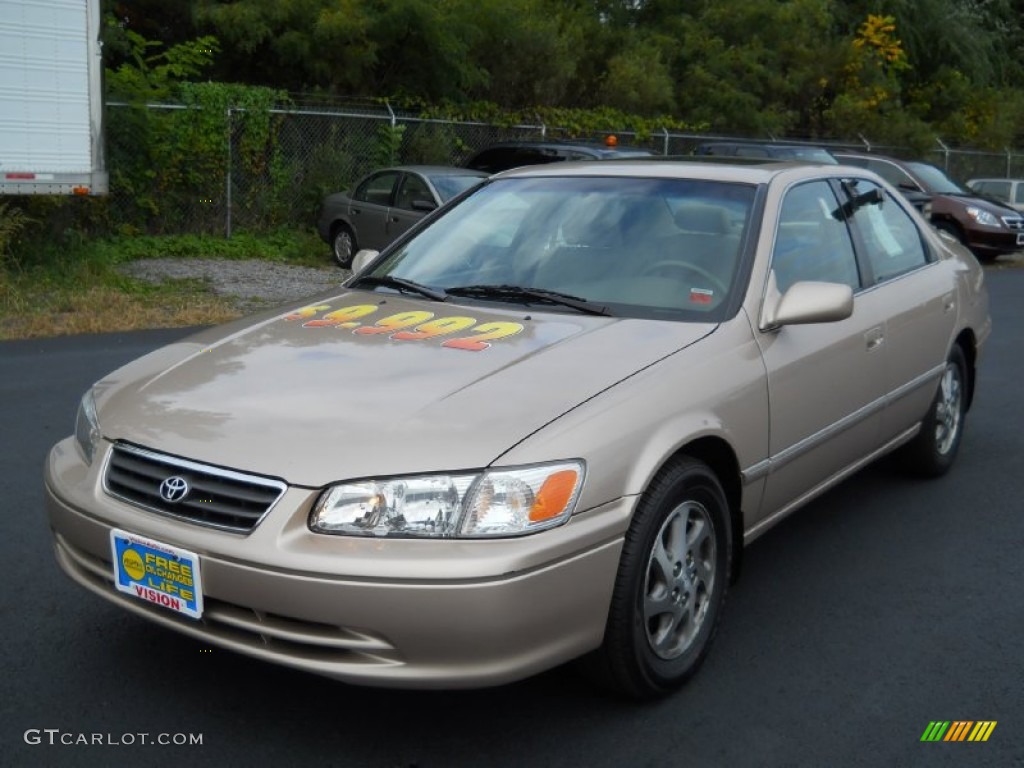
343	245
932	452
671	584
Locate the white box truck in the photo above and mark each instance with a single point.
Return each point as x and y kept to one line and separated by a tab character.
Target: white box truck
51	100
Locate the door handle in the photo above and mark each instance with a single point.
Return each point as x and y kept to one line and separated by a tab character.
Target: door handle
874	338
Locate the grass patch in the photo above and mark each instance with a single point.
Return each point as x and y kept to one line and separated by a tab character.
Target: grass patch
284	247
50	290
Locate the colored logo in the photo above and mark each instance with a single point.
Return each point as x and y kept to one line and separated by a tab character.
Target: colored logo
958	730
133	565
174	489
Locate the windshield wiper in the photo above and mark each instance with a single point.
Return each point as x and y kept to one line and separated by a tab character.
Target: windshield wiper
530	295
401	284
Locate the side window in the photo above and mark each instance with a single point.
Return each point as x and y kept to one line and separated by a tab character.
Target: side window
891	238
893	174
377	189
413	188
997	189
1018	193
812	241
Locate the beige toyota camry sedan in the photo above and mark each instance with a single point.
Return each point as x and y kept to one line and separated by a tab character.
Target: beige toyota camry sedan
541	426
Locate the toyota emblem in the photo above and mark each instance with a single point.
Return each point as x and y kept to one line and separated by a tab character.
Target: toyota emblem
174	489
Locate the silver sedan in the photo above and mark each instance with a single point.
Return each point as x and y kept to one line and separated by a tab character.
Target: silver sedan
543	426
385	204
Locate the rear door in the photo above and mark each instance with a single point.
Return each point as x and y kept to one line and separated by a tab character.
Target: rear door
918	294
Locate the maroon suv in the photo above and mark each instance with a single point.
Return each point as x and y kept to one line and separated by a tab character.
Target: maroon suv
985	226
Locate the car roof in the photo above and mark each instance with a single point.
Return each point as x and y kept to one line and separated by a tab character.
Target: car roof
597	148
800	151
867	156
749	173
435	170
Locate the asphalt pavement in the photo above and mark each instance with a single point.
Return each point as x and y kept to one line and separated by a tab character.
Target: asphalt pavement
883	606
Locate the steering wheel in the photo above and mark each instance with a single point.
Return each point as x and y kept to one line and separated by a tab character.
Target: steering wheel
685	266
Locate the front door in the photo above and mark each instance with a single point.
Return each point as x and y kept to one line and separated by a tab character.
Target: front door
826	381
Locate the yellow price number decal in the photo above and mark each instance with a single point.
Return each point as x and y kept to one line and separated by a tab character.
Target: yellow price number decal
396	322
442	326
415	325
306	312
344	317
485	333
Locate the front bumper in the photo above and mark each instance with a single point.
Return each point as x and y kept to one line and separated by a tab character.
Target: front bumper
993	243
400	613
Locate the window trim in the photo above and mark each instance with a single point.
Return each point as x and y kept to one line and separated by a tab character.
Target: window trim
832	182
870	279
369	180
398	190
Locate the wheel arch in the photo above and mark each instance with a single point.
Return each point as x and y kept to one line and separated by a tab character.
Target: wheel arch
969	346
342	223
719	455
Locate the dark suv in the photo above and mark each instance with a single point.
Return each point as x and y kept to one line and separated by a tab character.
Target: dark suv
987	227
513	154
800	152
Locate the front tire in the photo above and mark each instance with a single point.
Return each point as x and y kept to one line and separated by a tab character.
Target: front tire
932	452
671	583
343	245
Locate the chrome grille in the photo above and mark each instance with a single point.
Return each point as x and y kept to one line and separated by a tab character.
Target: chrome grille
1014	222
220	498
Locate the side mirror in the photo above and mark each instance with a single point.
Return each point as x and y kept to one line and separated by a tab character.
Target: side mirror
423	205
813	302
362	258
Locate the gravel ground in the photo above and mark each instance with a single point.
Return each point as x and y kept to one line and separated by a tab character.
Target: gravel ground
253	284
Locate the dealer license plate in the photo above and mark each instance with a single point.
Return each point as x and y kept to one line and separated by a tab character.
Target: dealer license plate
157	573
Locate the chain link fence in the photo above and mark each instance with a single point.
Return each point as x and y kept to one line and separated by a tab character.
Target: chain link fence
250	177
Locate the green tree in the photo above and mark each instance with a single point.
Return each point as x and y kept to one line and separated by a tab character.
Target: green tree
527	51
293	44
757	66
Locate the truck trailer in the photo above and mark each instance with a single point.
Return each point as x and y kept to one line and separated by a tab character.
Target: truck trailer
51	98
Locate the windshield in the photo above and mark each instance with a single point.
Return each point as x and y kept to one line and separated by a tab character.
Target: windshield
935	181
636	247
450	186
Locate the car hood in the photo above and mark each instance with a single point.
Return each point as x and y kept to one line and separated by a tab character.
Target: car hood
317	404
985	203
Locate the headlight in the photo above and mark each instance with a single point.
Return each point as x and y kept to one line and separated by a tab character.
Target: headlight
508	502
983	217
87	427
